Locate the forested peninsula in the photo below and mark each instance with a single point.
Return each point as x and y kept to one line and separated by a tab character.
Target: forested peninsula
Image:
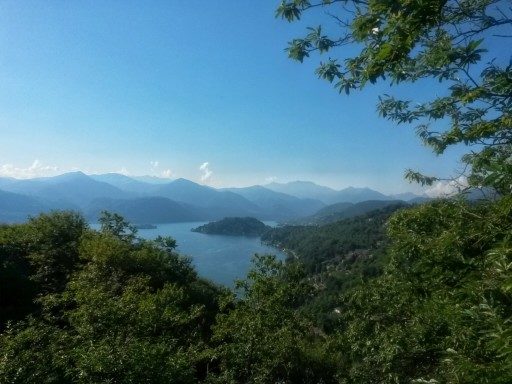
234	226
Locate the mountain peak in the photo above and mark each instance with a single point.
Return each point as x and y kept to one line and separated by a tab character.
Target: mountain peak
152	179
69	176
182	181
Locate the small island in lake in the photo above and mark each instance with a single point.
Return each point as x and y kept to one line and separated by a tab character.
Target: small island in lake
234	226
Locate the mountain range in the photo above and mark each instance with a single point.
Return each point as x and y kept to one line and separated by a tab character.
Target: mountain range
308	189
339	211
155	200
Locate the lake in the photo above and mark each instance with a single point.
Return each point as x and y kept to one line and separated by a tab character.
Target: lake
221	259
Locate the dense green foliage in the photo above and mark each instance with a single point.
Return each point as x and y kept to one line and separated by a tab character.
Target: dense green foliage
337	257
412	41
234	226
320	246
100	306
36	260
265	337
433	305
440	312
442	309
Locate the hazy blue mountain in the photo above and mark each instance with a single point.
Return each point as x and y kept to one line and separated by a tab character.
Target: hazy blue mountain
146	210
333	209
70	190
177	200
420	200
188	191
357	195
126	183
152	179
78	191
474	194
407	196
304	190
340	211
277	205
119	180
307	189
219	203
23	186
5	181
15	207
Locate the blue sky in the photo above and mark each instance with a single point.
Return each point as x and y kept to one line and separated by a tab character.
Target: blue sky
162	87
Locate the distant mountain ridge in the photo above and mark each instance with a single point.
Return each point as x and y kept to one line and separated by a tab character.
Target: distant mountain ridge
125	183
340	211
15	207
151	199
72	190
277	205
145	210
307	189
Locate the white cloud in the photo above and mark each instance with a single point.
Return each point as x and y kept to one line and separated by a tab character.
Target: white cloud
155	170
167	174
447	188
270	179
37	169
124	171
207	172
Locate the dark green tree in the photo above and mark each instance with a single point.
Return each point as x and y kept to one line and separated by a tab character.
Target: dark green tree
417	40
441	312
116	225
263	337
52	242
37	259
17	290
126	311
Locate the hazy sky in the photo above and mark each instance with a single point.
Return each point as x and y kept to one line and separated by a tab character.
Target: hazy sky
195	89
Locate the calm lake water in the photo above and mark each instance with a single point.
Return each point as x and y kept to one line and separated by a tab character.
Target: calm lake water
221	259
